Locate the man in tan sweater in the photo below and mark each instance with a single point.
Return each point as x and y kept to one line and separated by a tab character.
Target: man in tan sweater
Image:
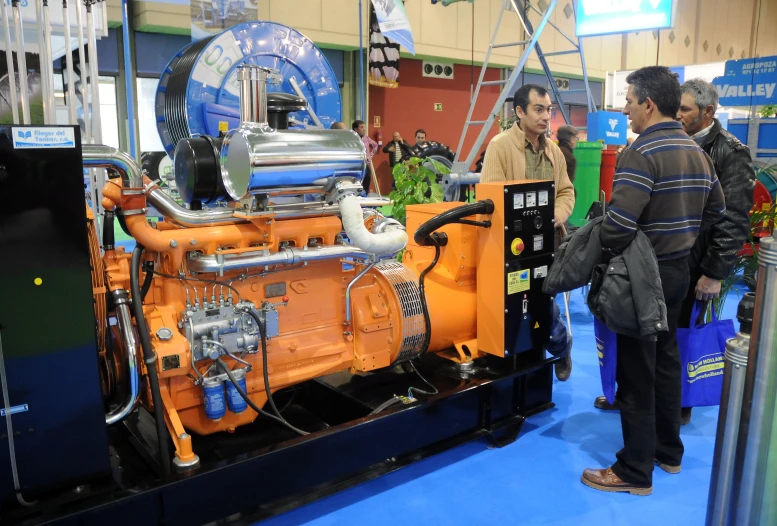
523	152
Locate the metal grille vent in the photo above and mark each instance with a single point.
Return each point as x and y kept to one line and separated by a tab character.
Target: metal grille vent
405	285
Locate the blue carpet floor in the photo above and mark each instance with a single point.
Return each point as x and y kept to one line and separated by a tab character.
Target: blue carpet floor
535	480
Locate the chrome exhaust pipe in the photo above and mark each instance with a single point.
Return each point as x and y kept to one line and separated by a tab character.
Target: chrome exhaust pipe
99	156
288	256
121	299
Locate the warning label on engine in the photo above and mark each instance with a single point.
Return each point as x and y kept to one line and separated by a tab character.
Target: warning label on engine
518	281
49	137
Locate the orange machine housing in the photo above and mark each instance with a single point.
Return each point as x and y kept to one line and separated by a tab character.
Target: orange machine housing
387	325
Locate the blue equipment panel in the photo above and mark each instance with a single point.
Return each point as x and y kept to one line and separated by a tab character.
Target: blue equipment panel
198	92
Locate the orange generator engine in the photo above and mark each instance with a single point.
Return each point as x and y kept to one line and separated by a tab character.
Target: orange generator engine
295	276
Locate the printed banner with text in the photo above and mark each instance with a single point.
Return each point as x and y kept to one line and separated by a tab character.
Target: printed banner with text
393	22
384	58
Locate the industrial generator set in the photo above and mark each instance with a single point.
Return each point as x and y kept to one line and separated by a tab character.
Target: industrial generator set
262	345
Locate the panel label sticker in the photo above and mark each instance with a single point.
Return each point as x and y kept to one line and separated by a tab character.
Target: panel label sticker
31	137
541	272
518	281
538	243
517	201
531	199
543	198
15	409
517	246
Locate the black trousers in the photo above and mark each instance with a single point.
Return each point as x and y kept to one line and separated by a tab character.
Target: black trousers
650	390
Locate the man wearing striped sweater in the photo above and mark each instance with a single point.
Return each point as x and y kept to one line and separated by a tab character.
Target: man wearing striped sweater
665	185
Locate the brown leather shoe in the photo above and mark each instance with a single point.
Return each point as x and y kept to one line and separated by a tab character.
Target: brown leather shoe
602	403
606	480
672	470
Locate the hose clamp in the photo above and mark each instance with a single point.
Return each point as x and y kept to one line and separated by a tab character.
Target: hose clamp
150	185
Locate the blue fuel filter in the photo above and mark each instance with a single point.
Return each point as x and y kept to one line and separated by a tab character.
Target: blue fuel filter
213	396
235	402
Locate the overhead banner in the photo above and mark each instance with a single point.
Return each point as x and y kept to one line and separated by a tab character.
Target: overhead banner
616	85
384	58
748	82
393	22
607	17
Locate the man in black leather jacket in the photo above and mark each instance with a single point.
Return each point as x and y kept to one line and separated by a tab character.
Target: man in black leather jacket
715	252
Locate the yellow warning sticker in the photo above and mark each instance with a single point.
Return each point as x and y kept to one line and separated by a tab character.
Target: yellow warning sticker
223	126
536	325
518	281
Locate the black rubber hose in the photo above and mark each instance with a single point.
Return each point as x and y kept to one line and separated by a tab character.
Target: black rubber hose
251	403
109	240
147	280
122	222
150	359
422	236
421	278
265	372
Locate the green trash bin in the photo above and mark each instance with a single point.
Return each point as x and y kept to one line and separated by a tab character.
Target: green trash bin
589	161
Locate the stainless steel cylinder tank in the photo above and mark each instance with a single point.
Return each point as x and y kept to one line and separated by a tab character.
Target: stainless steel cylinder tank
751	477
723	463
257	158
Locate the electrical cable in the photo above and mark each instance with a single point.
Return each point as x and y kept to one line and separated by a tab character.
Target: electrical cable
150	359
411	390
427	318
388	403
250	402
265	372
422	236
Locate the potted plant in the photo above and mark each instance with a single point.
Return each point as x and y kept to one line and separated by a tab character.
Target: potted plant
415	184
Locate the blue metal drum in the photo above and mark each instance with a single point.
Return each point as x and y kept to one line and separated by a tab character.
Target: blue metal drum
198	92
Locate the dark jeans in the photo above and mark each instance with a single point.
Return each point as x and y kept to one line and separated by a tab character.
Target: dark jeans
649	389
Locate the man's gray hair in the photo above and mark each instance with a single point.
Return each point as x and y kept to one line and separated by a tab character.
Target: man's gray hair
703	92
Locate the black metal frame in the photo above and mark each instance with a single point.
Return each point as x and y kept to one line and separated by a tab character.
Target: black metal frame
262	477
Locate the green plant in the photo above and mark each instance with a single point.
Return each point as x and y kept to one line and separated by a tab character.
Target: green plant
770	110
415	184
747	266
506	124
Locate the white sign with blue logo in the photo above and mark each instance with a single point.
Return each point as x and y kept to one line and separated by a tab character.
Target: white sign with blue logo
607	126
748	82
607	17
48	137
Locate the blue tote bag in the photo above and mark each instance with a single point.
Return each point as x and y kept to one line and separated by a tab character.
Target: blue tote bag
607	350
701	355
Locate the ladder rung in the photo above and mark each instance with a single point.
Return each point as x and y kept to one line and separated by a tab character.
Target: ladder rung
557	53
561	92
493	82
481	123
508	44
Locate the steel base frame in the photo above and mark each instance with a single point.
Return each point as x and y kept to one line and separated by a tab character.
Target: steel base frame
249	476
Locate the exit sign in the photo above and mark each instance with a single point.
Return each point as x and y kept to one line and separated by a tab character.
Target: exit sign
438	106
